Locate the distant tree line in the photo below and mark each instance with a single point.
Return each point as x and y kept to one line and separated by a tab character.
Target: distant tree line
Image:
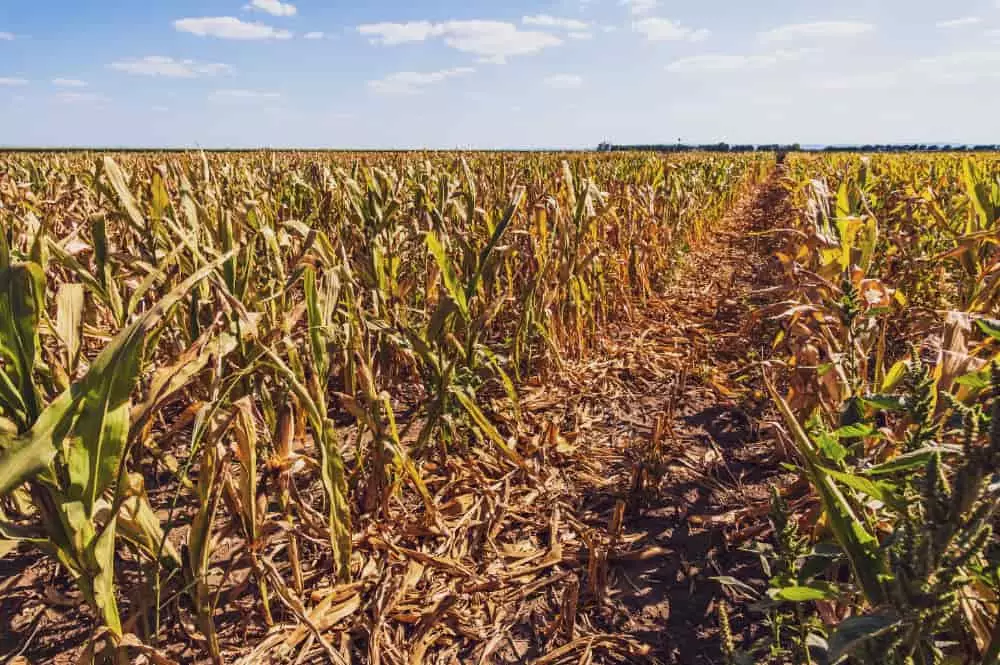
795	147
704	147
913	147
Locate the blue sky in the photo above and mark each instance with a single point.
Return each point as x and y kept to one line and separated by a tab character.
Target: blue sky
477	74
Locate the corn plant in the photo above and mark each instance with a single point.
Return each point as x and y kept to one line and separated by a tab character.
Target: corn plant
900	450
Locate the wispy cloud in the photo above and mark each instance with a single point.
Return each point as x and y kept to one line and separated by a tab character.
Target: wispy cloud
273	7
69	83
725	62
865	81
720	63
391	34
13	81
961	67
229	27
81	98
818	30
639	7
564	81
6	36
492	41
409	83
663	29
546	21
314	35
158	65
959	22
238	95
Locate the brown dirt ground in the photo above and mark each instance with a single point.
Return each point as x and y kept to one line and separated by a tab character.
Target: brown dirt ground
647	471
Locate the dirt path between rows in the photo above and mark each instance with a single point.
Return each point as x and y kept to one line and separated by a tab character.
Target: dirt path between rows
696	465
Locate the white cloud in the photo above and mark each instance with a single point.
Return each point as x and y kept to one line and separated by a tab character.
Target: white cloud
546	21
492	41
158	65
314	35
228	27
243	96
495	41
13	81
959	22
408	83
160	109
80	97
273	7
69	83
581	35
663	29
866	81
639	7
963	67
818	30
6	36
564	81
723	62
391	34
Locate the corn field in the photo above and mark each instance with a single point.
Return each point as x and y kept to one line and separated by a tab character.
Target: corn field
302	407
223	379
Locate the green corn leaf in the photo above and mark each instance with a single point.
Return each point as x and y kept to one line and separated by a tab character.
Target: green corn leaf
909	461
100	555
805	594
22	289
491	246
890	403
990	327
894	376
975	188
486	427
448	273
105	271
107	383
335	483
159	197
30	453
90	557
858	430
853	632
200	541
4	250
402	456
95	449
845	201
12	402
977	381
881	491
316	322
860	546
